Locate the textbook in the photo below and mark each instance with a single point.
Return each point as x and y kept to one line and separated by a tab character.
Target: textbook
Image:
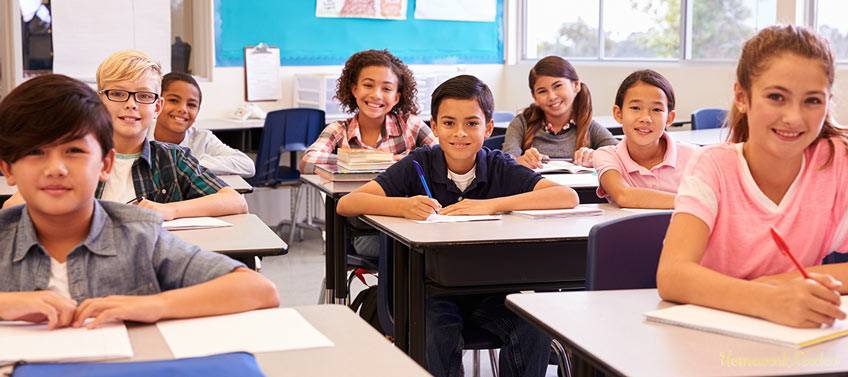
559	166
746	327
565	212
363	155
365	166
338	174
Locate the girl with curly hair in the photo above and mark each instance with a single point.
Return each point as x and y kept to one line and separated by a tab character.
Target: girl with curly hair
380	91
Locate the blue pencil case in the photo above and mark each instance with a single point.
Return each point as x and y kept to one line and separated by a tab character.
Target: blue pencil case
227	364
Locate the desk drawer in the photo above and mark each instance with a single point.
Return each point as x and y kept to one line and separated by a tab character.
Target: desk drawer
507	263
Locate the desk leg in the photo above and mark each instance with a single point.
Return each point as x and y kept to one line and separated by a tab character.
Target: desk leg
417	308
339	258
400	297
329	249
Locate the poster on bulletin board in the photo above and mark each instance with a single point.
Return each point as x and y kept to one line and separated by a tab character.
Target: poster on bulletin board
378	9
453	10
262	73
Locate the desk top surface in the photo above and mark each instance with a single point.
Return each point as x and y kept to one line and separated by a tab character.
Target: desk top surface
509	228
701	137
222	124
359	350
248	236
237	183
609	325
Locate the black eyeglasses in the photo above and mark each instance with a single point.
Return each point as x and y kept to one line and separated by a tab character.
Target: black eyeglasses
118	95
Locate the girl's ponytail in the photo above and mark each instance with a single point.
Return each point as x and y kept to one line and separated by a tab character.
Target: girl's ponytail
581	113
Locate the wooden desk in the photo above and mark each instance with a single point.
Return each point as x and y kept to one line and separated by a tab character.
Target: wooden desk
515	253
359	350
334	245
608	329
248	237
237	183
701	137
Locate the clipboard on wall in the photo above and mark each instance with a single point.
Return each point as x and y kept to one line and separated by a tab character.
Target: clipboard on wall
262	73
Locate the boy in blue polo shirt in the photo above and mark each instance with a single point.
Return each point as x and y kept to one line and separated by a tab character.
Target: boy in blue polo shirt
65	256
465	179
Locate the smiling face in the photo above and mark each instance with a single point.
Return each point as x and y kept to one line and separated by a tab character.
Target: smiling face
644	115
461	128
182	102
786	106
130	119
376	92
60	179
555	95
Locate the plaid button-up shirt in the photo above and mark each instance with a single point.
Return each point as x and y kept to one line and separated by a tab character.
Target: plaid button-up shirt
397	137
165	173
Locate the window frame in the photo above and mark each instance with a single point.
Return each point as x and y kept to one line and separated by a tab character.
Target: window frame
684	51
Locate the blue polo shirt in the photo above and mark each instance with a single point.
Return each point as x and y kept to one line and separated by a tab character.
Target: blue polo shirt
497	175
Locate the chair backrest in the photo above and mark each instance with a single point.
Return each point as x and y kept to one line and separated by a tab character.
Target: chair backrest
285	130
494	142
503	116
708	117
624	253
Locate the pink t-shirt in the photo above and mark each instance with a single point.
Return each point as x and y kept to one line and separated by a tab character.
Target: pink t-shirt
718	188
665	176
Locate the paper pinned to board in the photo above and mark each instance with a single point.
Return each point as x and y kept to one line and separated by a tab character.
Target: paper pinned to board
187	223
25	341
437	218
262	73
268	330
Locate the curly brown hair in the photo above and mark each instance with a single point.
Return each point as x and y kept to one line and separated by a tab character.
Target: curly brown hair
383	58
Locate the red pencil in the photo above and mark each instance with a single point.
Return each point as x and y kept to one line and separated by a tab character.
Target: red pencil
785	249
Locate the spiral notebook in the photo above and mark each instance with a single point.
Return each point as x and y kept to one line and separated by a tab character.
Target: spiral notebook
743	326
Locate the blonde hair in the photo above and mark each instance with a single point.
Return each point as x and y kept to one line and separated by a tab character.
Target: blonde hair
770	43
131	65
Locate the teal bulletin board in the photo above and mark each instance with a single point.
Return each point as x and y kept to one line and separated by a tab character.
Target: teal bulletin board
304	39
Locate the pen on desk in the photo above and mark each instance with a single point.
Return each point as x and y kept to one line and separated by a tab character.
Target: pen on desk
785	249
135	200
421	175
566	159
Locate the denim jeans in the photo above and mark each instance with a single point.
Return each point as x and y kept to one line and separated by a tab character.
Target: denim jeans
525	349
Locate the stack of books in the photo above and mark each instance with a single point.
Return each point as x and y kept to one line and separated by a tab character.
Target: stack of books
356	165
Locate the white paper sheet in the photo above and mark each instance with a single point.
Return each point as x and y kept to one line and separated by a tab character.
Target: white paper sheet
194	223
579	210
436	218
35	343
268	330
456	10
85	32
262	68
379	9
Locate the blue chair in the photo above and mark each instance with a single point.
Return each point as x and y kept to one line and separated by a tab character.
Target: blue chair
708	118
494	142
287	130
503	116
624	253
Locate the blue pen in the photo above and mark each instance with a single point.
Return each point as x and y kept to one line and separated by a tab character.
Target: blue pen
421	175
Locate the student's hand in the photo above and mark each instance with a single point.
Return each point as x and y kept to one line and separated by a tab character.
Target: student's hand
419	207
470	207
150	308
800	302
37	306
531	158
584	157
167	212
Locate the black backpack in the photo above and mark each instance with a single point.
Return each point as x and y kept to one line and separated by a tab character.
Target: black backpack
366	304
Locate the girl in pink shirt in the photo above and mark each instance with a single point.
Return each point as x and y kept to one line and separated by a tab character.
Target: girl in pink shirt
788	169
644	170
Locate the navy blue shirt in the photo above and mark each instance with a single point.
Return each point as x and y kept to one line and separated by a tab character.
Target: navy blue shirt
497	175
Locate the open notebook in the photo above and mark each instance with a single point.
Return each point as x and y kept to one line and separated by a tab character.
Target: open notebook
742	326
559	166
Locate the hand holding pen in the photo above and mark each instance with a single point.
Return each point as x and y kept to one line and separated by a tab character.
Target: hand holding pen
420	207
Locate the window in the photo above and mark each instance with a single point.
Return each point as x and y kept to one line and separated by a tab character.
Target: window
191	41
830	22
36	37
642	29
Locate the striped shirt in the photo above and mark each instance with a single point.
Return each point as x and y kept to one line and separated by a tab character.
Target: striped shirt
398	137
166	173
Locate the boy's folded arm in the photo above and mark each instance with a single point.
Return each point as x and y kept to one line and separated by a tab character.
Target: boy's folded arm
545	195
238	291
627	196
15	199
370	199
224	202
